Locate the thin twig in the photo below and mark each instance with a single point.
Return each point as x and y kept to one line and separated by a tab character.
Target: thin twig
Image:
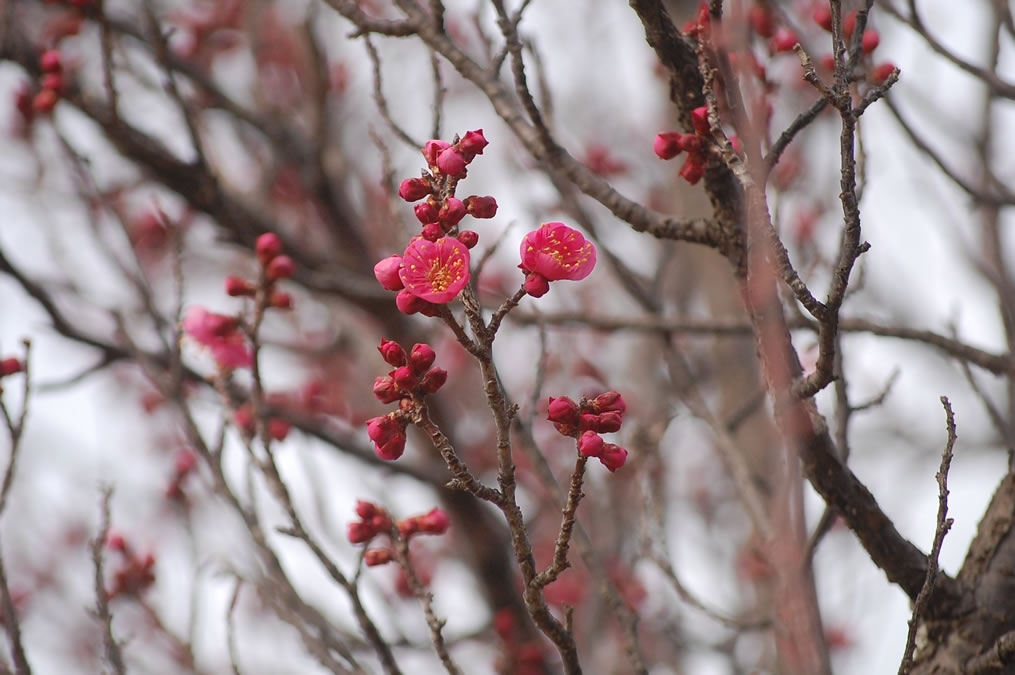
943	525
114	656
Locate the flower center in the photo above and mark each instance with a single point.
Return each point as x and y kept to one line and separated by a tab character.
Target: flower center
441	275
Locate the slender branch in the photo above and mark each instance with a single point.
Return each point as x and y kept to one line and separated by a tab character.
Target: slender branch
944	523
560	548
114	655
425	597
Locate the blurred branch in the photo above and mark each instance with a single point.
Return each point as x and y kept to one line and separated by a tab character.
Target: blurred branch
999	364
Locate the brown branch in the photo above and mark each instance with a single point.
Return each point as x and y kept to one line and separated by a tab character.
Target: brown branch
999	364
114	655
943	525
563	543
425	598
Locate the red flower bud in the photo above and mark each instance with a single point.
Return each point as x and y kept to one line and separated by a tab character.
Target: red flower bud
452	211
383	429
280	267
613	456
53	81
186	461
421	357
377	556
391	450
610	401
280	300
882	72
115	541
11	365
432	231
692	170
761	21
359	533
588	422
472	144
562	410
426	212
386	272
849	24
667	145
243	418
268	247
278	429
45	101
432	149
434	380
366	510
784	40
823	17
51	61
413	189
238	288
590	444
691	142
451	162
468	238
392	353
433	522
481	207
385	390
536	285
405	378
870	41
408	527
699	119
608	422
380	521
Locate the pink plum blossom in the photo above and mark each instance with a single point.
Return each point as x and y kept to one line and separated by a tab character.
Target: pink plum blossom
435	271
555	252
221	335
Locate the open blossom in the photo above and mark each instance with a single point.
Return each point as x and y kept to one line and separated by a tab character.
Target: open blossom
221	335
556	251
435	271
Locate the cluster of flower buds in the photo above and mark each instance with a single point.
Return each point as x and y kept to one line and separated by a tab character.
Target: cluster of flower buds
671	143
29	101
584	421
413	377
375	521
435	265
554	252
137	571
388	434
434	521
274	267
